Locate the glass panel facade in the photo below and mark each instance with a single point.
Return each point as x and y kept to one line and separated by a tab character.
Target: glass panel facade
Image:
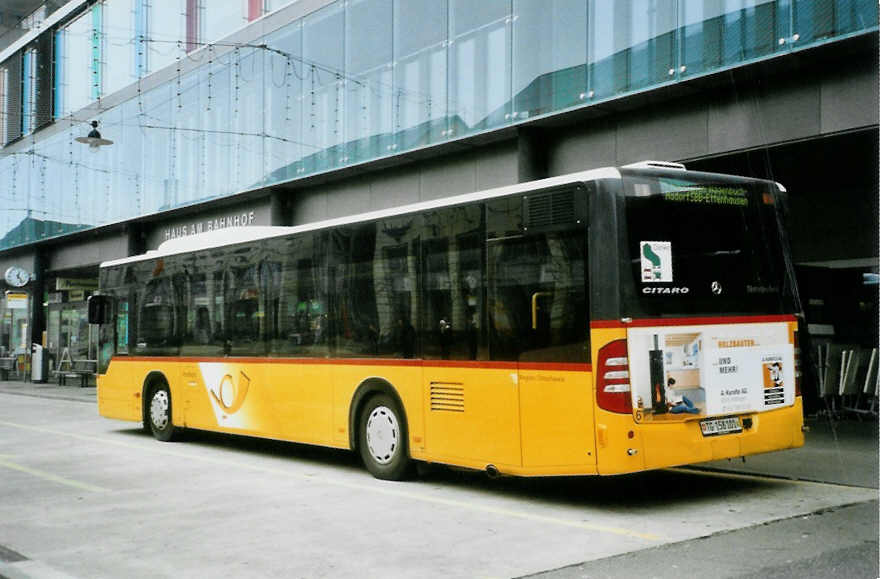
28	90
117	33
369	96
75	47
549	52
164	26
479	65
323	88
420	72
354	81
221	18
284	75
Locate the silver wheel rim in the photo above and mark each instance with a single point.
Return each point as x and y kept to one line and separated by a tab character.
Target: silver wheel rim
383	434
159	409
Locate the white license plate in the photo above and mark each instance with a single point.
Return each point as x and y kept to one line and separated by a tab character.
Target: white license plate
715	426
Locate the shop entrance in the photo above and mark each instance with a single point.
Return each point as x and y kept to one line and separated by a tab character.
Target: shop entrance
69	338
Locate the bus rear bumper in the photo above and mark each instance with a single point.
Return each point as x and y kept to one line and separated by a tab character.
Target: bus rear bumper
663	445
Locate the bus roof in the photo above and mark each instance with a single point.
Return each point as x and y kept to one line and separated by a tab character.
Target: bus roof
235	235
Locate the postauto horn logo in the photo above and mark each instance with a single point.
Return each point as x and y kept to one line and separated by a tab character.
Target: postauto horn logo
229	395
227	388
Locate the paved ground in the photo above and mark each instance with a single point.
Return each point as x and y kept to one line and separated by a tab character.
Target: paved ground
81	496
834	542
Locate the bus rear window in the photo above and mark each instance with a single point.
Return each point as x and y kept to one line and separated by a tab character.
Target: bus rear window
705	245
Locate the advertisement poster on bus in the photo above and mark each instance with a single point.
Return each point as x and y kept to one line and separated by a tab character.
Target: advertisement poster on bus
711	370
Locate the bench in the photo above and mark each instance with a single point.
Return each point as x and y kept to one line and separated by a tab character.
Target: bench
81	369
7	365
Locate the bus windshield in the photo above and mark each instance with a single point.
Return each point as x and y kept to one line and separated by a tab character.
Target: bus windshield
700	244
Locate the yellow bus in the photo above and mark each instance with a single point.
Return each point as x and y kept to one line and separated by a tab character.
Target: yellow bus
603	322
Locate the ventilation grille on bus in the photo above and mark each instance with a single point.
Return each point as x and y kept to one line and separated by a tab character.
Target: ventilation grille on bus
447	397
551	209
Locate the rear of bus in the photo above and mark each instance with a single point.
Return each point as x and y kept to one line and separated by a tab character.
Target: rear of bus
694	328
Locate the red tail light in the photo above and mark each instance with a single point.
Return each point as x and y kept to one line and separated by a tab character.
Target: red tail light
797	365
612	378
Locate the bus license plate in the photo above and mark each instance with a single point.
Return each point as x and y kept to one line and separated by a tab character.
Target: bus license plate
717	426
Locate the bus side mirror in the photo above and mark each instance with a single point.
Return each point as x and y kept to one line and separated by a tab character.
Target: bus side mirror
99	309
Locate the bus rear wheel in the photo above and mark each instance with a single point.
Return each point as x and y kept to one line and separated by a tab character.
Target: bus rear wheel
159	413
382	439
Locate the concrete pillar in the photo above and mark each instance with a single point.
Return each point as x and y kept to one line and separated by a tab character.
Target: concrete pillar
38	289
137	239
532	154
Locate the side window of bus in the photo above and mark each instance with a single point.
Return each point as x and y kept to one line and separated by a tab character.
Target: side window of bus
452	285
373	275
301	302
244	307
537	298
158	310
200	296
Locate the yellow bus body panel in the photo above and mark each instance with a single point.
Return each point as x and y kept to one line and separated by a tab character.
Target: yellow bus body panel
525	420
625	446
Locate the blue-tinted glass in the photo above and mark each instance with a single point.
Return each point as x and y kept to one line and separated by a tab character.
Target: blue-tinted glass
820	19
28	65
249	116
221	18
608	47
54	190
640	49
218	126
369	94
549	55
165	33
702	29
246	93
420	72
284	74
479	65
117	47
155	121
324	88
758	25
127	158
77	65
111	199
187	146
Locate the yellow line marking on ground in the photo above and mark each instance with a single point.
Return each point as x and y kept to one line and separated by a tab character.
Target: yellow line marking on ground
50	477
162	449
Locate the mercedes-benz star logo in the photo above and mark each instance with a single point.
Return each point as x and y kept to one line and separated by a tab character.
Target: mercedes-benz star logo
716	288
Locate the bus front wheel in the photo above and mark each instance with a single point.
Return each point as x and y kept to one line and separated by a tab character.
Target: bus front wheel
159	413
382	439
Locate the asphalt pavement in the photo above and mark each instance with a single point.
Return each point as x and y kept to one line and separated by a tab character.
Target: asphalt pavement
837	450
835	541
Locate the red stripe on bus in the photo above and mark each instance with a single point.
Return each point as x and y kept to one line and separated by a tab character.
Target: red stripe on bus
557	366
705	321
469	364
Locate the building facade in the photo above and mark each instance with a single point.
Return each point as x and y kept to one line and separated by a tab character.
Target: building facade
256	112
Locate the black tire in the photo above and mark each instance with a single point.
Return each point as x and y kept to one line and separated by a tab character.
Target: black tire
157	414
382	439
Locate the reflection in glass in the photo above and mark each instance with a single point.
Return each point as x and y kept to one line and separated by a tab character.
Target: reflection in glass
117	47
165	31
639	50
369	94
283	76
420	72
549	52
354	81
479	65
324	87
